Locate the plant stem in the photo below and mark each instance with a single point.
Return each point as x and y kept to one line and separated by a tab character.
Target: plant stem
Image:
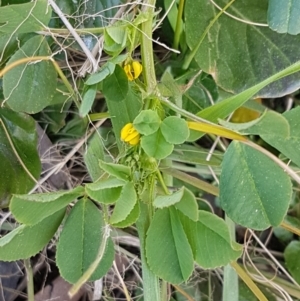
150	280
30	286
147	48
178	28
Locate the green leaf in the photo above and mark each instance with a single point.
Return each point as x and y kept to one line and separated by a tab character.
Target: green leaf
80	241
254	191
291	257
156	146
124	112
114	39
282	131
247	63
283	16
175	130
93	154
105	191
168	252
125	204
147	122
122	172
26	241
30	87
188	205
285	137
25	17
131	218
195	155
87	100
115	86
33	208
107	69
163	201
226	107
210	240
18	154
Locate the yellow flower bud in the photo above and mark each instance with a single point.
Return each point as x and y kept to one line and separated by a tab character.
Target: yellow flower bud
130	135
133	70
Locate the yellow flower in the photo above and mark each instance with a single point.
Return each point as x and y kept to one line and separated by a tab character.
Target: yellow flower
133	70
130	135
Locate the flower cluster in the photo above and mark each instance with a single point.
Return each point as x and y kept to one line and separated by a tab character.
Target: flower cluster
130	135
133	70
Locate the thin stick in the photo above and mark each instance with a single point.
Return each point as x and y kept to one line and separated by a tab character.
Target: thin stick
122	282
69	156
75	35
29	274
273	258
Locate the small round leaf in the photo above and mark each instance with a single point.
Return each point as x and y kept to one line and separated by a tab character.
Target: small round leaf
175	130
155	145
147	122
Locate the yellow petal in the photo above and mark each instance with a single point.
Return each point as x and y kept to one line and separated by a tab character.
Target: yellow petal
130	135
137	69
128	70
126	128
135	140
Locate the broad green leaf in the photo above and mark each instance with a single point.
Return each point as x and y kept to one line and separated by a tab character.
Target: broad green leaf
105	183
115	39
147	122
254	191
105	196
168	252
26	241
175	130
282	131
122	172
97	11
105	191
283	16
210	240
98	77
30	87
155	145
20	163
115	86
11	43
226	107
87	100
93	154
247	63
117	34
291	257
200	94
80	241
125	203
270	124
124	111
195	155
188	205
131	218
162	201
33	208
173	88
25	17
